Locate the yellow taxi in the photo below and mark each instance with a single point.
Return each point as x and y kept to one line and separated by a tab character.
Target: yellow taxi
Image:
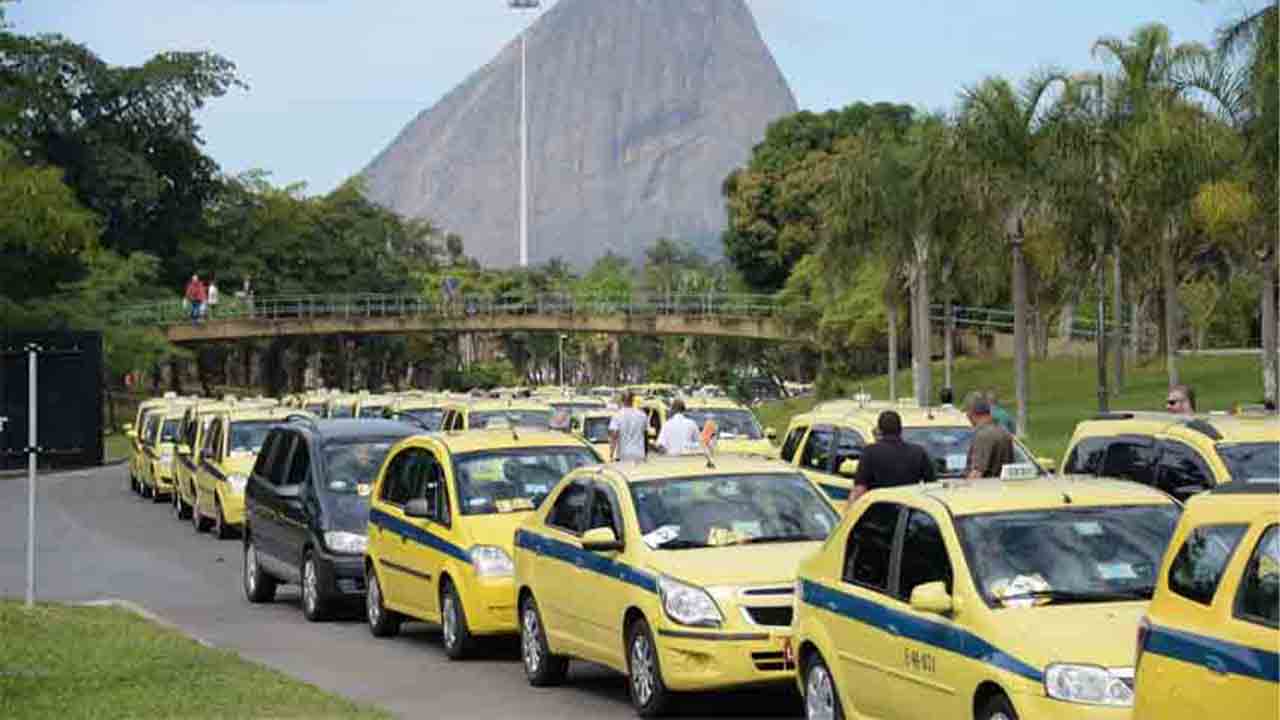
314	402
442	517
480	414
1208	645
981	599
370	406
421	409
826	443
191	433
676	571
133	431
159	446
593	426
737	430
225	459
339	406
1181	455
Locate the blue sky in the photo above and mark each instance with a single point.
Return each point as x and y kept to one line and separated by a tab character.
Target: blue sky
333	81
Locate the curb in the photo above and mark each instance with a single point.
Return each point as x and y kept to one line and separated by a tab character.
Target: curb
145	614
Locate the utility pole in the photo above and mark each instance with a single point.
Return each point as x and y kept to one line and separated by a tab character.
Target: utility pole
521	5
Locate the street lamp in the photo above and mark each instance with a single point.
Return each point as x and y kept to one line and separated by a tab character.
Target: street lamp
520	6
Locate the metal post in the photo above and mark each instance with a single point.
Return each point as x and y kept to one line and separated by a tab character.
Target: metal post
524	151
31	475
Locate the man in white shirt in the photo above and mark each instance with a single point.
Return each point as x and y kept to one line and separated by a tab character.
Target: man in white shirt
627	431
680	435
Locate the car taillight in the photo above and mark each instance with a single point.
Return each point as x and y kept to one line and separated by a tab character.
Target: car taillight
1144	631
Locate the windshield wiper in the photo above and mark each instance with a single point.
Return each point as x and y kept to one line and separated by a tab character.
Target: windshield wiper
677	544
776	538
1068	597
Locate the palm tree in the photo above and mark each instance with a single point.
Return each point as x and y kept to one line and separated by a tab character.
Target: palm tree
1003	128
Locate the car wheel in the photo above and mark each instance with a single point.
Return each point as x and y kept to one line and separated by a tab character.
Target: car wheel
315	605
458	642
220	528
649	696
198	521
998	708
259	587
382	622
820	699
541	667
180	506
157	497
144	491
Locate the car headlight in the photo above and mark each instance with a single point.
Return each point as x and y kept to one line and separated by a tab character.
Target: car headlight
237	482
688	605
1088	684
345	542
491	561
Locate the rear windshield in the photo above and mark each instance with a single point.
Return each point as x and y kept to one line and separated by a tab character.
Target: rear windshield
596	429
427	418
1252	462
514	480
518	418
371	411
342	411
731	424
948	447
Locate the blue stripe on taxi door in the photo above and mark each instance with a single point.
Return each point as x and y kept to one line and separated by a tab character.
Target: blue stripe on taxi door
939	635
586	560
1217	655
417	534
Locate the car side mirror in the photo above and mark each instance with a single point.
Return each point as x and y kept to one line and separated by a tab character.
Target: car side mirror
184	449
771	433
600	540
418	508
848	468
931	598
1049	464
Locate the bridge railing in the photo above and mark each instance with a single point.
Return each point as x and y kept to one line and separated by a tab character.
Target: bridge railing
280	307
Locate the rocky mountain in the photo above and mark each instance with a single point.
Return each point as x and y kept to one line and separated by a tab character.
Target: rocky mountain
638	109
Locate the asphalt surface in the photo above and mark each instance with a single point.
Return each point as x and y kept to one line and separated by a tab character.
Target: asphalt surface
97	541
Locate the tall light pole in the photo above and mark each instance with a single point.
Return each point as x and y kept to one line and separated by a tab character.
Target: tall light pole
522	5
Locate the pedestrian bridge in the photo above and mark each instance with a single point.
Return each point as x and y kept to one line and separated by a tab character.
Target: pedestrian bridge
726	316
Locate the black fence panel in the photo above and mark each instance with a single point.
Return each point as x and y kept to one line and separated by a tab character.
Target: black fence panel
68	398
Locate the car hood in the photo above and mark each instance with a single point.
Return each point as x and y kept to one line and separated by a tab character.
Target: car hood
1095	634
734	565
743	445
498	529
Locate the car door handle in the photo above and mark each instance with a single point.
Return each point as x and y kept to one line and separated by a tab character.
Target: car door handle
1216	664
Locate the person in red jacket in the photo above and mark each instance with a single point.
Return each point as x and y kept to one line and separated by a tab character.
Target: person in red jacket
196	295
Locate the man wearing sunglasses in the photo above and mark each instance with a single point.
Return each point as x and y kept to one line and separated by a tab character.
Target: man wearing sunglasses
1181	400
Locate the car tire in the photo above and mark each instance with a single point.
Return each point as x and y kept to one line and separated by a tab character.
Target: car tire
157	497
649	695
259	587
997	707
181	509
199	522
315	605
221	530
821	701
382	622
458	641
144	491
541	667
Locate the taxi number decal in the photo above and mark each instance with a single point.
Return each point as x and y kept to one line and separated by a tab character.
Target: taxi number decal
919	661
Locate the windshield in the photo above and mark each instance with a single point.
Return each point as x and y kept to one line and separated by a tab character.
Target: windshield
371	411
428	418
316	409
349	471
730	509
1022	559
513	480
1251	462
731	424
573	407
596	429
169	432
518	418
948	447
247	437
342	411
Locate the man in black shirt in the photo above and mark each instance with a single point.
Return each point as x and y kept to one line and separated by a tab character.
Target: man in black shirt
890	461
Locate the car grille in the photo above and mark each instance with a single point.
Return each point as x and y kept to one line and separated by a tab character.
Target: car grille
769	591
773	616
771	661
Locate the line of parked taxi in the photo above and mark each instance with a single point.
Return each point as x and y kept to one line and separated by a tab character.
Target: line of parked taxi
1152	592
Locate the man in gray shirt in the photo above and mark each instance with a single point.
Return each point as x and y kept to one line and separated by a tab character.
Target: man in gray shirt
627	431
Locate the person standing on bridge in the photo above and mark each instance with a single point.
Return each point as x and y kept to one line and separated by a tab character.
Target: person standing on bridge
195	296
211	296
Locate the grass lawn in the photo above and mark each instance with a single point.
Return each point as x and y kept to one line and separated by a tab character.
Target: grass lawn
1064	391
116	447
98	662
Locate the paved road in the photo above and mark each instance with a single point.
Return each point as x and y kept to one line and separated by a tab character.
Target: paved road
97	540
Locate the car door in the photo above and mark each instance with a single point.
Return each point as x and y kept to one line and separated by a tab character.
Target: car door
425	551
1254	623
258	491
270	533
207	473
865	639
386	522
603	598
558	574
295	502
925	677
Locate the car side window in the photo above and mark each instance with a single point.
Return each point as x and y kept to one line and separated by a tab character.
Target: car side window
1182	471
279	463
427	482
924	555
849	444
212	439
394	482
817	450
300	462
1197	568
1259	595
1132	458
262	465
570	508
792	443
1086	457
869	550
603	511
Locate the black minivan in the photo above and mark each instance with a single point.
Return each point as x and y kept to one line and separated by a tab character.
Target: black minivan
307	508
